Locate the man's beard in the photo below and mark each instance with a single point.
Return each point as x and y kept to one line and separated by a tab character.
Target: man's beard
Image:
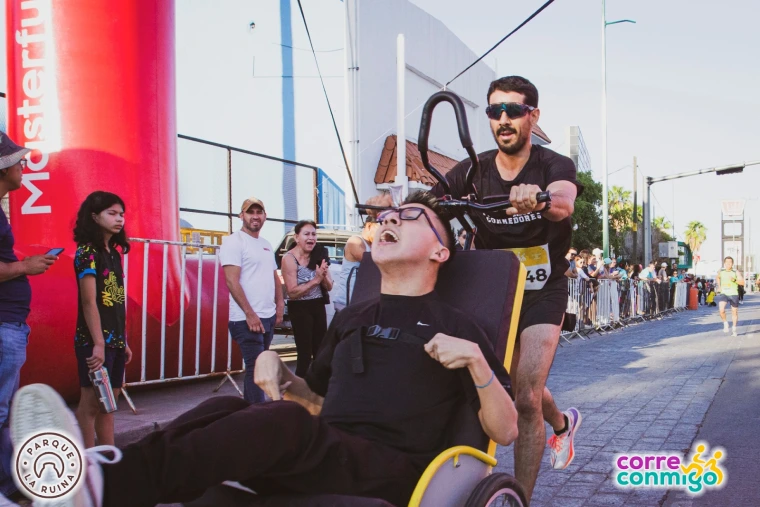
253	227
517	145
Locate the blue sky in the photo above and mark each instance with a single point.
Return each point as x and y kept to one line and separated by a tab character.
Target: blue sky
682	89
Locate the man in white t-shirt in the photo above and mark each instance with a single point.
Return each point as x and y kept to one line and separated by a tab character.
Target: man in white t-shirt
256	300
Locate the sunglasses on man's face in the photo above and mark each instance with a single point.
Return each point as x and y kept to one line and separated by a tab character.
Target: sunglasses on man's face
514	110
573	255
411	213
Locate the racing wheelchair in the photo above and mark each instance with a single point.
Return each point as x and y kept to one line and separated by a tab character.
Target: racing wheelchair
461	476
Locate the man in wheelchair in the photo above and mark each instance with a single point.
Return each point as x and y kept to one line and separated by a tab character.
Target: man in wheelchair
376	406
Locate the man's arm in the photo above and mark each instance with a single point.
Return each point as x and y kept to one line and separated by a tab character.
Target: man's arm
523	199
563	200
33	265
232	278
497	414
278	382
717	283
11	270
739	278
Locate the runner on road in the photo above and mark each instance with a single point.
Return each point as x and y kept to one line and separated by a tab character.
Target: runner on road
727	288
539	234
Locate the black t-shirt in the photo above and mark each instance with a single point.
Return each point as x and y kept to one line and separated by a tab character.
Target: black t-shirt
531	233
16	293
404	398
109	293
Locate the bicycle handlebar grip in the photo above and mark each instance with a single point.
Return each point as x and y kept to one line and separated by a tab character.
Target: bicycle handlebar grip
544	196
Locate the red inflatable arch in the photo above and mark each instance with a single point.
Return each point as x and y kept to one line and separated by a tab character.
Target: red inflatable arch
91	89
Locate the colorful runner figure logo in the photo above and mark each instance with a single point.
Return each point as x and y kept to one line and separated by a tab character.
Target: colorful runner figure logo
700	472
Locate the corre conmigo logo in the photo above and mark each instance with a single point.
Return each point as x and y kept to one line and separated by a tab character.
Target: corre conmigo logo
48	465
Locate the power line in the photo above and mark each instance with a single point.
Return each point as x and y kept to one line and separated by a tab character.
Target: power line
390	129
332	115
547	4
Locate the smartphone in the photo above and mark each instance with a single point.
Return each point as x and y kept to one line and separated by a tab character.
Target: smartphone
55	251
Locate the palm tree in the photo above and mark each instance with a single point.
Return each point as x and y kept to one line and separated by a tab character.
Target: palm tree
695	235
618	197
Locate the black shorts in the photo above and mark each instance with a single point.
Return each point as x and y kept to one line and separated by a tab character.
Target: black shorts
545	306
114	365
725	298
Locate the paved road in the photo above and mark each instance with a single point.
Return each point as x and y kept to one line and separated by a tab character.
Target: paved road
655	386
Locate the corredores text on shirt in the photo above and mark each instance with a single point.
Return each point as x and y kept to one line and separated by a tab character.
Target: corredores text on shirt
516	219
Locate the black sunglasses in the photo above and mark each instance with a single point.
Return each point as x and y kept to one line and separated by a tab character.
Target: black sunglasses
514	110
411	213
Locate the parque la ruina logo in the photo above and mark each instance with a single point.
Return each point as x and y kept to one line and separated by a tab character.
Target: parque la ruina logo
694	475
48	465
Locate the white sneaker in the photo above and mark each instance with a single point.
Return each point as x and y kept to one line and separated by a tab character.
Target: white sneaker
562	451
733	333
725	327
37	408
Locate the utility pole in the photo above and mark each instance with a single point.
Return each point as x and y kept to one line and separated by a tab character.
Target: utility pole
635	214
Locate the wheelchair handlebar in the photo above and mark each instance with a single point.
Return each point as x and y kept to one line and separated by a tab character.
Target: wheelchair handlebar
463	204
448	202
464	136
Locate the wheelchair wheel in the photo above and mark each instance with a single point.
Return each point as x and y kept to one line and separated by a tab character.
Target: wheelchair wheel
497	490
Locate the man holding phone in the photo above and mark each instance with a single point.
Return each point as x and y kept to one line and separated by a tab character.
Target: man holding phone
15	300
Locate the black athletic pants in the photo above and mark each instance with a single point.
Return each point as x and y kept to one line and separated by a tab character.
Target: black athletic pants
275	447
309	327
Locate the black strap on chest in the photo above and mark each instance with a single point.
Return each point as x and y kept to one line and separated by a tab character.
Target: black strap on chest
385	333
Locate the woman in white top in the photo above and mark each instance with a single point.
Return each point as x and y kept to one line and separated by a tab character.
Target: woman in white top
353	252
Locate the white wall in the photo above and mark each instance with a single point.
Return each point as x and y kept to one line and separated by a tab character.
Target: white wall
434	55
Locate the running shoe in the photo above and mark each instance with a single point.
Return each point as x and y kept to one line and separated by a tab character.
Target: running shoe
725	327
734	333
37	408
561	446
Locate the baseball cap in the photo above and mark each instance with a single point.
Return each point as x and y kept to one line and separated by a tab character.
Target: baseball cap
664	265
607	260
252	201
596	251
10	152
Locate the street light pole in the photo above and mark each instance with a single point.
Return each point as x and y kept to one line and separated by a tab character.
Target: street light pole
727	169
605	190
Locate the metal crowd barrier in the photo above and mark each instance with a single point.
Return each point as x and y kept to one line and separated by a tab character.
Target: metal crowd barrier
176	343
606	304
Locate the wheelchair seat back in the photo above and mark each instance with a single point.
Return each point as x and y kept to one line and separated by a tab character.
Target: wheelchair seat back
479	283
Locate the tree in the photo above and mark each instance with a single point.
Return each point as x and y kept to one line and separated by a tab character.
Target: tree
695	235
587	217
621	218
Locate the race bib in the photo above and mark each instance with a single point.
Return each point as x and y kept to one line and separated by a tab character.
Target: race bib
536	260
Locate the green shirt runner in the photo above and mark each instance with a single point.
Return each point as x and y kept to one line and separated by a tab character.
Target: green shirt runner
728	284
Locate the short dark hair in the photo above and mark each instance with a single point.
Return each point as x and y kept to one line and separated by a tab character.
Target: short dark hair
515	84
431	201
729	257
